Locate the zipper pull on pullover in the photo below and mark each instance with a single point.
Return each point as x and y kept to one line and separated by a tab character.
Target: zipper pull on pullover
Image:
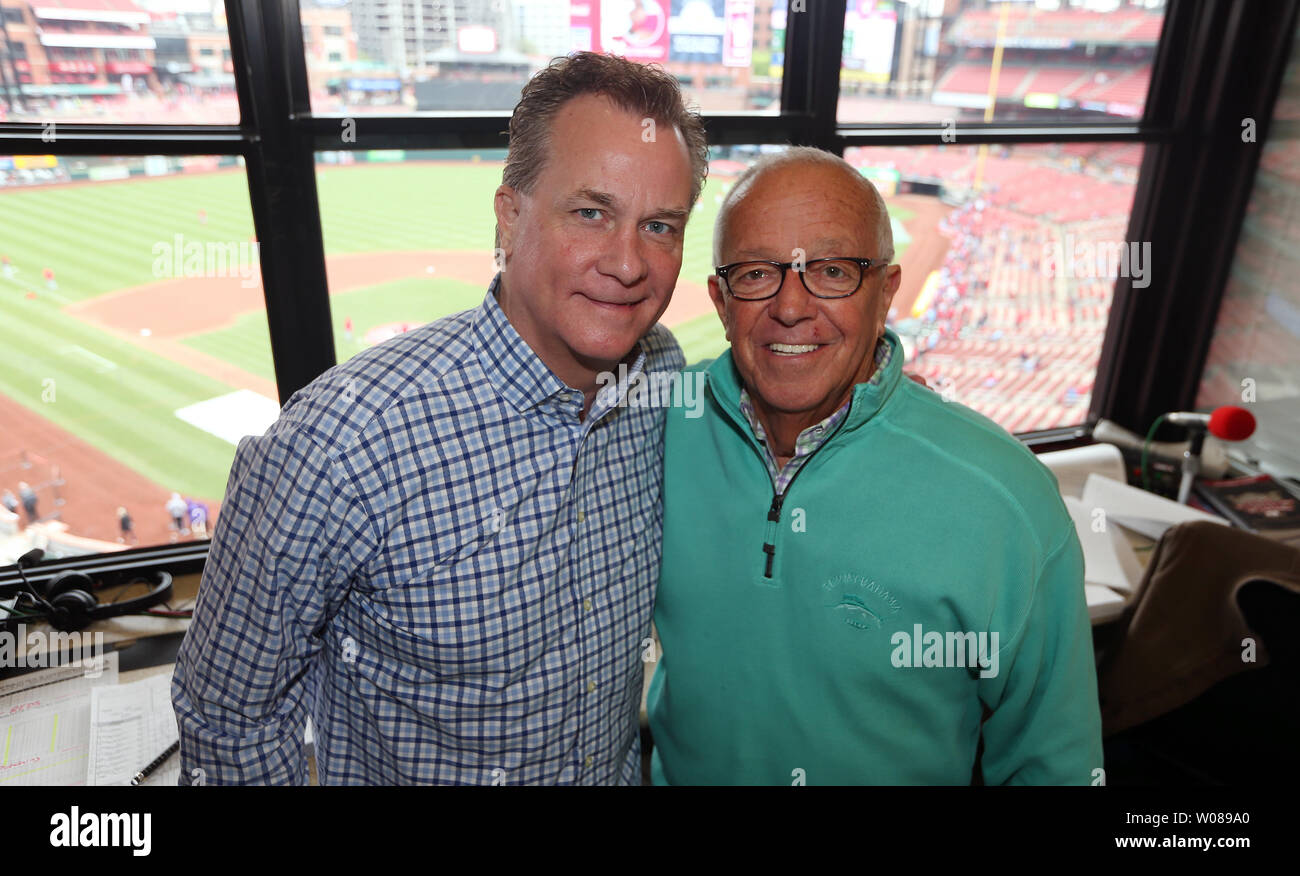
773	518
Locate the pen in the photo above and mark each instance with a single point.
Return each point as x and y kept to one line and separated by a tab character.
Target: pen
157	762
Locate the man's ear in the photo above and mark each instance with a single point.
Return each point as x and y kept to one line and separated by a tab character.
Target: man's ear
506	204
719	302
893	279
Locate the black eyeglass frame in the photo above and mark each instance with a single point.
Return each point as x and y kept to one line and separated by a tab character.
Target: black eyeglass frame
865	264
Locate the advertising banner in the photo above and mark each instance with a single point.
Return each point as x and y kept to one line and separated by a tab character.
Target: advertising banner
635	29
738	49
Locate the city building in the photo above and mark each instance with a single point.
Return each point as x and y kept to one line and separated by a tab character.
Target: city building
74	47
404	33
329	42
542	27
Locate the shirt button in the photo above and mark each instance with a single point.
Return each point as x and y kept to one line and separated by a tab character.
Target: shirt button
582	515
591	687
589	761
586	604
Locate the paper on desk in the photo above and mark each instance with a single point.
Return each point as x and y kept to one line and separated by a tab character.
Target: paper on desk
130	725
45	723
1103	603
1137	509
1108	558
1072	467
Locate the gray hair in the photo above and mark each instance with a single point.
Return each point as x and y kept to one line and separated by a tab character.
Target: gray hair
873	203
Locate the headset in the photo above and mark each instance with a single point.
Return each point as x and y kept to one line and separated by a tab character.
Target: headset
73	606
67	601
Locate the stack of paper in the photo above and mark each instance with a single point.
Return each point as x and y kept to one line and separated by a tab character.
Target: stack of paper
1111	568
1072	467
1137	509
45	722
130	725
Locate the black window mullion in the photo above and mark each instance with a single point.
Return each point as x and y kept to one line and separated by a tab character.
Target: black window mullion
916	134
72	138
295	57
282	189
810	84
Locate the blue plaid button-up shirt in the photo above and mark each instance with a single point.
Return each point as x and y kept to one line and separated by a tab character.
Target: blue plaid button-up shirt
431	553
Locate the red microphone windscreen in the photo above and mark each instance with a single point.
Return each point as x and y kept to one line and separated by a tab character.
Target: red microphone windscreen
1232	423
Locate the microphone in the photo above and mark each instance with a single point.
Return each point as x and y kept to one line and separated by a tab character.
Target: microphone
1214	461
1230	423
31	558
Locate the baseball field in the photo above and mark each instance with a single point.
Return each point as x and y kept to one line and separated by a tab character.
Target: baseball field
137	365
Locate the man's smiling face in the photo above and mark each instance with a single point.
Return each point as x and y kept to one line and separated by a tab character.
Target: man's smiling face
798	354
594	250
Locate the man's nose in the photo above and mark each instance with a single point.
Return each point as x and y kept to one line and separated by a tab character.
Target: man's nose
792	302
623	258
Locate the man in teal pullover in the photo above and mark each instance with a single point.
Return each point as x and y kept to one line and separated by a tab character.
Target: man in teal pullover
860	580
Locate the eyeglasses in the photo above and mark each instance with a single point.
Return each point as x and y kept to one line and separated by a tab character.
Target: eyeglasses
823	278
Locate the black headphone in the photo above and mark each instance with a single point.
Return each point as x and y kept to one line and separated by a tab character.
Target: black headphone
71	604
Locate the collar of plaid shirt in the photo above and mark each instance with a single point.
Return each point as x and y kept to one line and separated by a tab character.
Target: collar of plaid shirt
432	555
814	436
523	380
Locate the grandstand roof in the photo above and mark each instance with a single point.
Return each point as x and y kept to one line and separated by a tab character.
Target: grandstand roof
119	11
1047	29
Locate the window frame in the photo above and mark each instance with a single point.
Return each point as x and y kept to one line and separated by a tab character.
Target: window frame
1191	196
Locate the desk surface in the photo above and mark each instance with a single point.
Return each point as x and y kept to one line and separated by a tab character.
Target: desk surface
169	668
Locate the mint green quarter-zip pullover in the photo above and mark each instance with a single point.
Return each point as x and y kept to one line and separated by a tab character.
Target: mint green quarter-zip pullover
917	585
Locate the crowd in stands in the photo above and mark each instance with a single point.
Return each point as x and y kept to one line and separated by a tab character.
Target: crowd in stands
1011	330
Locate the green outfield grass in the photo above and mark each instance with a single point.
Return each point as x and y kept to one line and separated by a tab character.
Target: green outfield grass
98	239
387	207
110	393
416	300
101	238
701	338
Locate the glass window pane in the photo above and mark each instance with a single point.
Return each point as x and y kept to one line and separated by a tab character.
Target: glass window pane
1254	358
975	61
400	56
116	61
1009	259
135	345
985	314
409	237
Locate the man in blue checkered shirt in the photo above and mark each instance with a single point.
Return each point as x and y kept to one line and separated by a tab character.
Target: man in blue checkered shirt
445	549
